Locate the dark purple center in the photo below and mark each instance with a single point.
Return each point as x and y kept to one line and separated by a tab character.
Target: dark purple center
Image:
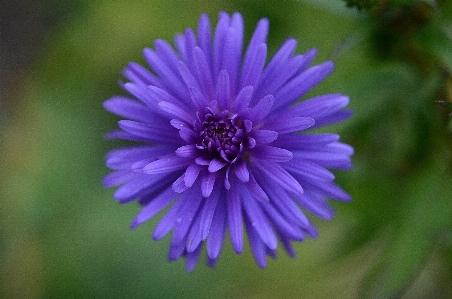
223	135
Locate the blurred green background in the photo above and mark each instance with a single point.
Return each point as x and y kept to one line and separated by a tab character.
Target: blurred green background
63	236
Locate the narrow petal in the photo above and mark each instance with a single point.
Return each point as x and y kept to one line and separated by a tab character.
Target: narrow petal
278	174
256	244
309	170
143	185
204	73
208	182
188	151
186	216
217	231
153	207
205	38
188	135
290	124
117	178
188	77
241	171
138	74
301	84
177	111
191	174
235	219
264	136
253	69
179	184
256	190
280	57
192	259
124	158
166	164
316	205
259	221
162	134
271	153
172	80
261	110
216	164
169	220
243	99
197	98
220	33
223	90
128	108
301	141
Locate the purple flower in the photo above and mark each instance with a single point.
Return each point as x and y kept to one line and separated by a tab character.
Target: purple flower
224	142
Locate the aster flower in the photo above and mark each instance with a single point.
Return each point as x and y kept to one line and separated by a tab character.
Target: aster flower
224	142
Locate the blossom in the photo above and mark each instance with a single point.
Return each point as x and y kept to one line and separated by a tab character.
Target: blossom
223	142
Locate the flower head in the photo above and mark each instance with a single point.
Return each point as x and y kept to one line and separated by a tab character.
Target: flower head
224	142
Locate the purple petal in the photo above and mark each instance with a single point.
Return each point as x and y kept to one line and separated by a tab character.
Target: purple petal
169	220
208	182
223	90
185	216
207	215
309	170
191	174
204	73
128	108
259	221
261	110
259	37
179	184
271	153
280	58
216	164
154	133
192	259
144	186
205	38
257	246
197	98
279	175
167	164
253	69
281	224
243	99
235	219
264	136
290	124
301	141
188	77
220	33
152	208
301	84
117	178
124	158
231	57
188	135
217	230
187	151
177	111
256	190
241	171
316	205
172	80
167	54
140	75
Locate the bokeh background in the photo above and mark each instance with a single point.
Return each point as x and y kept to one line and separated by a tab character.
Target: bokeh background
63	236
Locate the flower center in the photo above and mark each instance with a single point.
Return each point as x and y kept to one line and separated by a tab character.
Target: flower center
222	135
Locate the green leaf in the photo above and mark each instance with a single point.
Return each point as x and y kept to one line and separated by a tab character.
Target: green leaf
427	215
437	40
